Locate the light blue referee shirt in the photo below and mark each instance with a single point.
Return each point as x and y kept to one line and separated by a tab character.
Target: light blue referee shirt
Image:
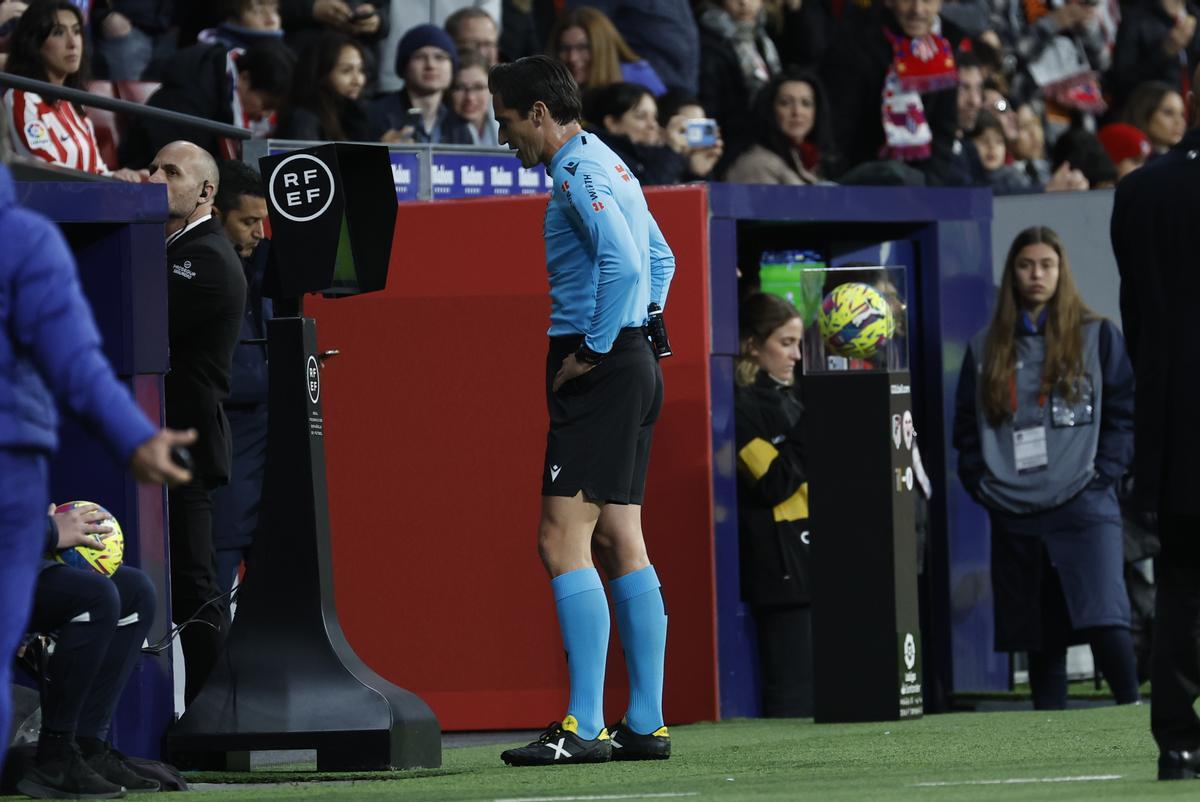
605	254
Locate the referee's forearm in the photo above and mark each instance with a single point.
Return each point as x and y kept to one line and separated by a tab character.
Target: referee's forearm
612	289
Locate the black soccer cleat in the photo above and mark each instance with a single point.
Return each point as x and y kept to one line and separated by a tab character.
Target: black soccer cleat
561	744
629	745
65	775
1178	764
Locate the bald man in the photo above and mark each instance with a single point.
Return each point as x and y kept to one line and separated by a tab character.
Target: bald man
206	297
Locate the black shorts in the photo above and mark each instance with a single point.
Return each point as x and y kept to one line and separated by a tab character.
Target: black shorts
601	422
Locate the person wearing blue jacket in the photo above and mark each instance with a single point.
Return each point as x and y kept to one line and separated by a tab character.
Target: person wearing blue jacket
1044	430
50	352
608	267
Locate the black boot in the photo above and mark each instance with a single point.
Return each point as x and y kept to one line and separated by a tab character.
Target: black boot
110	764
60	772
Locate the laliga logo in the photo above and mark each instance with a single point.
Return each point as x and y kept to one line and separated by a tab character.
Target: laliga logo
910	651
301	188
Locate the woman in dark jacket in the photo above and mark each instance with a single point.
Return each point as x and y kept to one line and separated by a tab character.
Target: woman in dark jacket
1044	430
1158	111
625	116
794	145
325	101
773	502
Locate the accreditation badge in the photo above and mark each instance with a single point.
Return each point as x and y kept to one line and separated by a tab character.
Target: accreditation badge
1029	449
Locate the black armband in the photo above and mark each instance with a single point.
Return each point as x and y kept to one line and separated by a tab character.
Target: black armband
588	356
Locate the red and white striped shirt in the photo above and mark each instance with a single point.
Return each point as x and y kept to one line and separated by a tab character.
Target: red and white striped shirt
53	131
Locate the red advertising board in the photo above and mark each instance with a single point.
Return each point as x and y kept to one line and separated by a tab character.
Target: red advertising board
435	425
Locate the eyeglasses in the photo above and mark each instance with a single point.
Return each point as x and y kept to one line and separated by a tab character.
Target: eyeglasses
473	89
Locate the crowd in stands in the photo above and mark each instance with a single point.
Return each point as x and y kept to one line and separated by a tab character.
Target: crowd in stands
1030	96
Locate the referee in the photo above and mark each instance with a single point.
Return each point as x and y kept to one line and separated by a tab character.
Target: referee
607	263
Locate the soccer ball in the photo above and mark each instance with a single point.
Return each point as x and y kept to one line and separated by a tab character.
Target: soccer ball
855	320
103	561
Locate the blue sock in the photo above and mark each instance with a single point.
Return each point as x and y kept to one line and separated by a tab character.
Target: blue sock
642	622
583	619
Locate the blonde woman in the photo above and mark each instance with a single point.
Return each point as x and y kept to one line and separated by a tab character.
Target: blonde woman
596	54
773	502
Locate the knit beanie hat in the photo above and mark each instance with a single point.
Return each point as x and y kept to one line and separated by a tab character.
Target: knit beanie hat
423	36
1123	141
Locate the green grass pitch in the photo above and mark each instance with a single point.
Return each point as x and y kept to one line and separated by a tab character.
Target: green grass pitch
972	756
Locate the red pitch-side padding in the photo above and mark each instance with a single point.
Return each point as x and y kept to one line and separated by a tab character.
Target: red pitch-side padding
435	426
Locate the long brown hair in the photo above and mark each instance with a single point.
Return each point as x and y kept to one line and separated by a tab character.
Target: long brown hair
1065	315
758	317
311	89
33	28
609	48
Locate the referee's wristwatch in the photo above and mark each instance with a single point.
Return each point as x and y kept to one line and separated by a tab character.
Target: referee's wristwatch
587	356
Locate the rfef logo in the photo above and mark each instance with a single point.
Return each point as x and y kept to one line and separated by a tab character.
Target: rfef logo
301	188
312	379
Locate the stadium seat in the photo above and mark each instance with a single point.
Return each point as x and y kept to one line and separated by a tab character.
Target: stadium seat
106	124
136	91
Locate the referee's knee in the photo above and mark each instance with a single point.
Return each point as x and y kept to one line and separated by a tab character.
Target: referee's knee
551	539
561	549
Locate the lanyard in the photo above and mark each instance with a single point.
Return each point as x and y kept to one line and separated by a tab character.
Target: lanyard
1012	394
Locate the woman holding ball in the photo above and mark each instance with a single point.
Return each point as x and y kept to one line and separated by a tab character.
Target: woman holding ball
1044	431
773	501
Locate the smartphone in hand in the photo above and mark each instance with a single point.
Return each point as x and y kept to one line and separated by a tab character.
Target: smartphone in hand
701	133
412	119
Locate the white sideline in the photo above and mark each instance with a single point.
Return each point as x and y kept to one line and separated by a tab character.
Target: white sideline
597	797
1022	781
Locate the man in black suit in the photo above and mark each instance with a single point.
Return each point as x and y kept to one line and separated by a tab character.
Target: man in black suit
1156	242
206	296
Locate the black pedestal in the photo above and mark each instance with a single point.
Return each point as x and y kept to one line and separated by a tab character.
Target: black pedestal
866	637
288	679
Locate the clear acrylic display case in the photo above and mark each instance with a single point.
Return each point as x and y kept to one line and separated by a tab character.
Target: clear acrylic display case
855	318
